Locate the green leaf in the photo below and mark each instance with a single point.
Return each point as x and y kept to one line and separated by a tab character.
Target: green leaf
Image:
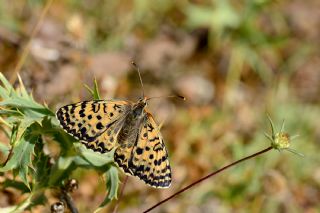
112	184
4	149
8	112
6	84
21	157
50	126
42	168
22	90
93	158
219	18
26	104
19	98
95	92
14	135
15	184
61	170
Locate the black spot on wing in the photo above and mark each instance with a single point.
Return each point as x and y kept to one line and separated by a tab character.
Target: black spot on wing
158	147
95	107
139	151
73	107
99	125
104	107
81	113
154	139
116	106
151	128
120	160
83	130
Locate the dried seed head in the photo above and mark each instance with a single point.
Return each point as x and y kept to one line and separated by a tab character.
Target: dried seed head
57	207
72	185
281	141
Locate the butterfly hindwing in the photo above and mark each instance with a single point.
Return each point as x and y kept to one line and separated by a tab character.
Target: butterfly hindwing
106	141
94	123
104	125
148	158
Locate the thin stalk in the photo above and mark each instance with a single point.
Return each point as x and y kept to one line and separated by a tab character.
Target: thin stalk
68	200
115	210
27	47
208	176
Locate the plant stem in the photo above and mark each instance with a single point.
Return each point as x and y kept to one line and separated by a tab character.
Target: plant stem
68	200
121	194
208	176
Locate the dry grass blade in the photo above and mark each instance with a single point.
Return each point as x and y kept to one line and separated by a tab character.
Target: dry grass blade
27	47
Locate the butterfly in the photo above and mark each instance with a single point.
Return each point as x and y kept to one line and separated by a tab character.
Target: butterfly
127	127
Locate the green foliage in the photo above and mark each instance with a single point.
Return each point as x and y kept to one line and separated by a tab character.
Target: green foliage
241	31
30	126
112	184
95	91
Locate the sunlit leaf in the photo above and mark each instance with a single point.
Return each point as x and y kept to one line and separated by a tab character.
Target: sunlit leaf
94	158
61	170
21	157
112	184
95	91
15	184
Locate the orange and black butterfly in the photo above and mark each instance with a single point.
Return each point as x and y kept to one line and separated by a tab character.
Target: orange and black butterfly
128	128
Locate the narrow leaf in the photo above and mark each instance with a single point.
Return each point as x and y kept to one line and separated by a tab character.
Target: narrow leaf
112	184
95	91
21	157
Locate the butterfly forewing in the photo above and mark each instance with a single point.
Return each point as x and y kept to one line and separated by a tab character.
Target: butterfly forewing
104	125
94	123
148	158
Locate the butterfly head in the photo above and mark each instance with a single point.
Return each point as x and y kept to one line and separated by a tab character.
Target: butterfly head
143	102
139	107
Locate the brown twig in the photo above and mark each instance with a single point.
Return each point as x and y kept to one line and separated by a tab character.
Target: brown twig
121	194
27	47
9	156
206	177
68	200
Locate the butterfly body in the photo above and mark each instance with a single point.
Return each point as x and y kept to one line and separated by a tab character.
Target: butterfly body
132	123
126	127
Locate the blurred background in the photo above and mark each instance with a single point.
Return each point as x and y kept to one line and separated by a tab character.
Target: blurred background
235	61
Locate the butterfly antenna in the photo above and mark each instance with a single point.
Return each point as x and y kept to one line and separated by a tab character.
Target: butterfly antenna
169	96
138	70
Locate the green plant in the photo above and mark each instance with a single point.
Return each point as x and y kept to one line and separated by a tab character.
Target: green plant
29	127
239	32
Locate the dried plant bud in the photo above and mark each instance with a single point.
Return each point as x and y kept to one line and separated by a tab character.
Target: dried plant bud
57	207
72	185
